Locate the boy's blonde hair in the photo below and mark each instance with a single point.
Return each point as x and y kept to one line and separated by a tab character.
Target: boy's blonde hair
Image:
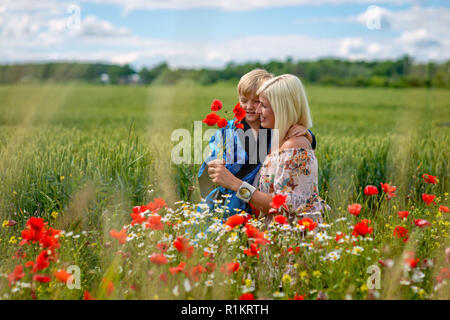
289	103
251	81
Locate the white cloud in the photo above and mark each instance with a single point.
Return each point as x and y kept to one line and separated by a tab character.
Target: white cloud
419	38
361	49
232	5
91	26
41	33
125	58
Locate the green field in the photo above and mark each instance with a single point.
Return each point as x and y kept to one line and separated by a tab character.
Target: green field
91	153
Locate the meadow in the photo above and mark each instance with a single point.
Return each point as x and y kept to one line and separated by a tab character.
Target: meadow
82	157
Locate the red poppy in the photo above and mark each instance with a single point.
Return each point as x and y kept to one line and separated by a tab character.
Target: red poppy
158	258
211	119
389	190
62	275
254	211
139	209
222	123
362	228
370	190
299	297
401	232
196	271
34	230
260	239
154	222
17	274
178	269
421	223
251	231
182	246
354	209
42	261
294	250
247	296
429	178
308	223
403	214
444	209
210	267
278	201
121	235
41	278
88	296
160	203
108	286
238	125
339	236
162	246
163	277
239	112
48	239
216	105
412	262
230	267
36	223
252	251
444	273
137	218
235	220
281	219
428	198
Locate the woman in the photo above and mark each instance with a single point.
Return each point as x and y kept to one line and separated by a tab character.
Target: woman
251	145
290	169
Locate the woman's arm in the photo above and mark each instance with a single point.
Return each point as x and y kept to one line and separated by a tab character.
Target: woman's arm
223	177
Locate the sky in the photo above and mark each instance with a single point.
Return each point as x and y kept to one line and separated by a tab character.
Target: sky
205	33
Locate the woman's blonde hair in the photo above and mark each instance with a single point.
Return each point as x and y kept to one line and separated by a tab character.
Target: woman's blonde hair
251	81
289	102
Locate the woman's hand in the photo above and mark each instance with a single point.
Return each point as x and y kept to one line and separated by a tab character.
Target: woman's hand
222	176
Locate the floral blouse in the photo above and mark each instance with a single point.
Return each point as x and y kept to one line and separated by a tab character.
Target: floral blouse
293	172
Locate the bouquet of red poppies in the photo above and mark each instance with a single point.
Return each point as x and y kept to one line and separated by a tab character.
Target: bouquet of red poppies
213	118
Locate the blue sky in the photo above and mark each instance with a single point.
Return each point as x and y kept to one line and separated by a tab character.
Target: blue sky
197	33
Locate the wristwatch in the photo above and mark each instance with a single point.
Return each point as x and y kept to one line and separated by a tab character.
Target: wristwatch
245	191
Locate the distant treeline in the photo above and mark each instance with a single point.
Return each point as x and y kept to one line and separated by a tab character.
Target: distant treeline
400	73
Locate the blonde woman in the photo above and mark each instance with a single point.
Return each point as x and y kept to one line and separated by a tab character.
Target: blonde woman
290	169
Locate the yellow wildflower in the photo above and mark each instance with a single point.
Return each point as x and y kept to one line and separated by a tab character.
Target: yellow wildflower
421	293
317	274
55	214
286	279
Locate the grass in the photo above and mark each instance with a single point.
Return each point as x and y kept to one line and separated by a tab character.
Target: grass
91	153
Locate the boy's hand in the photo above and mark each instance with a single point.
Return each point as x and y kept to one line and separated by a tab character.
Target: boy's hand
222	176
295	130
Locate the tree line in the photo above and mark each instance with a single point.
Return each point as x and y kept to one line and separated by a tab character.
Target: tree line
400	73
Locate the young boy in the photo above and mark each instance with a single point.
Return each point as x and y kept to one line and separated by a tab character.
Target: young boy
244	160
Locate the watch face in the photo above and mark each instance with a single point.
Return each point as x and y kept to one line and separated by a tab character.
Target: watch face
244	192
